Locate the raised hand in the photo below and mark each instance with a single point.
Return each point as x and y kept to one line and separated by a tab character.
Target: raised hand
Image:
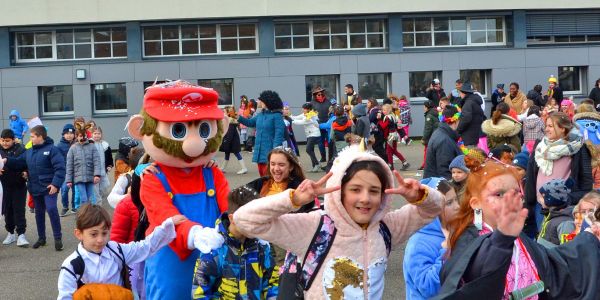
510	214
408	188
308	190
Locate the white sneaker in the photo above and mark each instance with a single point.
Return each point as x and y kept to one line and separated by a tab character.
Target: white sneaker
10	238
242	171
22	241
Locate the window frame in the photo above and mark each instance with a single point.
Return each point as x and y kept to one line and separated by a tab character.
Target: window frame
232	89
531	40
217	38
486	80
96	111
440	74
43	113
581	74
55	44
334	92
468	30
388	85
311	35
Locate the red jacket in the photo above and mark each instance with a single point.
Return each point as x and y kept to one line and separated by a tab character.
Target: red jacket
125	221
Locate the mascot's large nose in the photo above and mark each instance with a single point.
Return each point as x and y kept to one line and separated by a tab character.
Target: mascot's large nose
193	145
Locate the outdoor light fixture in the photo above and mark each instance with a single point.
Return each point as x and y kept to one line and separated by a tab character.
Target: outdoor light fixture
80	74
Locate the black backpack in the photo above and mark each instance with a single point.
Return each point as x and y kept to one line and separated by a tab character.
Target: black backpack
79	267
293	285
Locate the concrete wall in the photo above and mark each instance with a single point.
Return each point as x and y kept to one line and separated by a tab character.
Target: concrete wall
284	74
43	12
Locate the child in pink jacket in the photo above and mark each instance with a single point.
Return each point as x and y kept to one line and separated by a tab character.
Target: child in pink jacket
358	193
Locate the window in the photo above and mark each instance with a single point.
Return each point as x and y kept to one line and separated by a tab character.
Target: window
56	100
327	82
563	39
453	31
421	81
148	84
175	40
71	44
375	85
570	79
223	86
109	98
478	78
330	35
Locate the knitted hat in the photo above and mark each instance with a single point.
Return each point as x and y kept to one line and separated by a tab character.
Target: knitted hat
521	160
459	163
500	85
556	192
68	128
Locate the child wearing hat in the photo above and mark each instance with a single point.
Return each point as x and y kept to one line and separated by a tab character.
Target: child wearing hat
460	172
558	221
520	162
68	136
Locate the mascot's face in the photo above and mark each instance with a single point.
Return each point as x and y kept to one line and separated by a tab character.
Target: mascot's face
178	144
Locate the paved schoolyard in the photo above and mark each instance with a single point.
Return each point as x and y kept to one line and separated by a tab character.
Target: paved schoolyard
32	274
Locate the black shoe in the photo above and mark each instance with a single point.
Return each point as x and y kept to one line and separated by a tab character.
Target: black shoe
39	243
58	245
420	169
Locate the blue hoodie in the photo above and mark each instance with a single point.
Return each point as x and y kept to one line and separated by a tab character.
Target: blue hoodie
18	126
423	261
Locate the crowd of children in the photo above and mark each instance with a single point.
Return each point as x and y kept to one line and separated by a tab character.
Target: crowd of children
469	205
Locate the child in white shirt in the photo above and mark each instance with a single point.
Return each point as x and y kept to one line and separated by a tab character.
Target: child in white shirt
101	266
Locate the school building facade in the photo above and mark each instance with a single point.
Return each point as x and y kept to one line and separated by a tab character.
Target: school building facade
64	58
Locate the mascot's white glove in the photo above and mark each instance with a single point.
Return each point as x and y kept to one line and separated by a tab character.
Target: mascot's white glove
205	239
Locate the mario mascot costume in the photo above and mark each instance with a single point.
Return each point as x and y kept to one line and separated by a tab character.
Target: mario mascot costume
181	128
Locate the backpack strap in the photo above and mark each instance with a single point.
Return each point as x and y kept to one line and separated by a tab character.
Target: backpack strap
125	268
384	230
314	257
78	266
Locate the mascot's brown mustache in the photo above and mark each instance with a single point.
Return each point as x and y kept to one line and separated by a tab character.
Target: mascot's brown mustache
175	148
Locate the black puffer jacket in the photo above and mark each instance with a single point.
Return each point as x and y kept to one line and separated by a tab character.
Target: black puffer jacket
469	127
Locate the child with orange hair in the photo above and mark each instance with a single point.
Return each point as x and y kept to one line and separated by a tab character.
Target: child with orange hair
490	255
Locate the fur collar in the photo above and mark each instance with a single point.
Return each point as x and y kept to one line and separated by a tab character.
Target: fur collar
506	127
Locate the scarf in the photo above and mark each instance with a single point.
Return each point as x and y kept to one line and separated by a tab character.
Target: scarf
547	152
522	271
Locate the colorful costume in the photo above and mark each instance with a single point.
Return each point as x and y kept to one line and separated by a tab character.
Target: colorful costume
194	128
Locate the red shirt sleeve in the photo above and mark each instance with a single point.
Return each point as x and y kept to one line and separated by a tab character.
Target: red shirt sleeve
160	207
222	189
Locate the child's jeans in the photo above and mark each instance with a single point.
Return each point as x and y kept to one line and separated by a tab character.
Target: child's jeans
84	192
101	189
243	135
47	203
64	196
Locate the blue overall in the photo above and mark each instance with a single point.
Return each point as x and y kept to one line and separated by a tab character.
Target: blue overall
166	276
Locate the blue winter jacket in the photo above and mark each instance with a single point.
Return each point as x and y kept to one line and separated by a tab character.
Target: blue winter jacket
423	261
45	165
327	126
19	125
270	133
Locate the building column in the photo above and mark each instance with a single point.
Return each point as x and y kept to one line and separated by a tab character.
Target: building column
266	37
134	41
4	47
520	29
395	33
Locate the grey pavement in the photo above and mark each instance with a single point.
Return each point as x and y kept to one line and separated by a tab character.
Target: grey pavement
27	273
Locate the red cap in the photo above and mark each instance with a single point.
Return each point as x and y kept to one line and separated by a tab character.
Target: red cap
181	101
